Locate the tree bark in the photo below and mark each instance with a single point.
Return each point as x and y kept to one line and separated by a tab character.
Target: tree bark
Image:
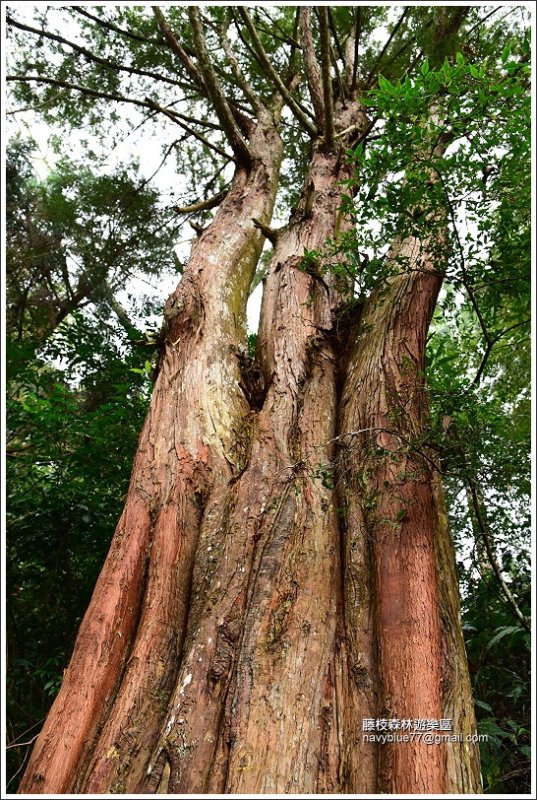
260	663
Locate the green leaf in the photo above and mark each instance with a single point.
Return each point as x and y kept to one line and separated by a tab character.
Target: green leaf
508	630
506	53
490	727
385	85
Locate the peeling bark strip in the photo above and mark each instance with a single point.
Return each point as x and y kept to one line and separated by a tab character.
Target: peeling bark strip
127	652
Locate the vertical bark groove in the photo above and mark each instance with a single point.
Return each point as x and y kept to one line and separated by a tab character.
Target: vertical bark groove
396	526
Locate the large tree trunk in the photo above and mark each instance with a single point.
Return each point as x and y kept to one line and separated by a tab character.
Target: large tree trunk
260	663
401	593
249	615
115	691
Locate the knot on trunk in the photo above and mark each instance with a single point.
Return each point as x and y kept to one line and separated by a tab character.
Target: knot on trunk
226	639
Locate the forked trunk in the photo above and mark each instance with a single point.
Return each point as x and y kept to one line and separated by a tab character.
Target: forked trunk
249	615
260	666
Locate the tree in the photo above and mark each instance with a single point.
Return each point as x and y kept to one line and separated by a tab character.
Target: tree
283	566
75	239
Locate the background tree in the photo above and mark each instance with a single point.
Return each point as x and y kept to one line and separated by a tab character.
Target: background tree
242	496
75	239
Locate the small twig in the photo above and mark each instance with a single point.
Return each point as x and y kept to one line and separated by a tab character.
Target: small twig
352	434
22	744
492	558
171	115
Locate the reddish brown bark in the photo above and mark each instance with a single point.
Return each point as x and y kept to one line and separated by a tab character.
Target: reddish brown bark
260	664
397	538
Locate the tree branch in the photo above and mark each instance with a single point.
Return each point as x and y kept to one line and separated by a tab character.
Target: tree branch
174	117
284	37
243	83
313	70
376	65
481	21
110	26
119	98
300	113
202	205
483	529
465	278
269	233
336	55
128	326
357	35
163	161
364	134
327	82
215	92
75	87
95	58
22	744
333	30
405	46
177	48
490	346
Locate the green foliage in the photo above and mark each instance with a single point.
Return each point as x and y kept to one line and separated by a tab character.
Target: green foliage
75	237
252	344
324	473
79	378
499	657
410	182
